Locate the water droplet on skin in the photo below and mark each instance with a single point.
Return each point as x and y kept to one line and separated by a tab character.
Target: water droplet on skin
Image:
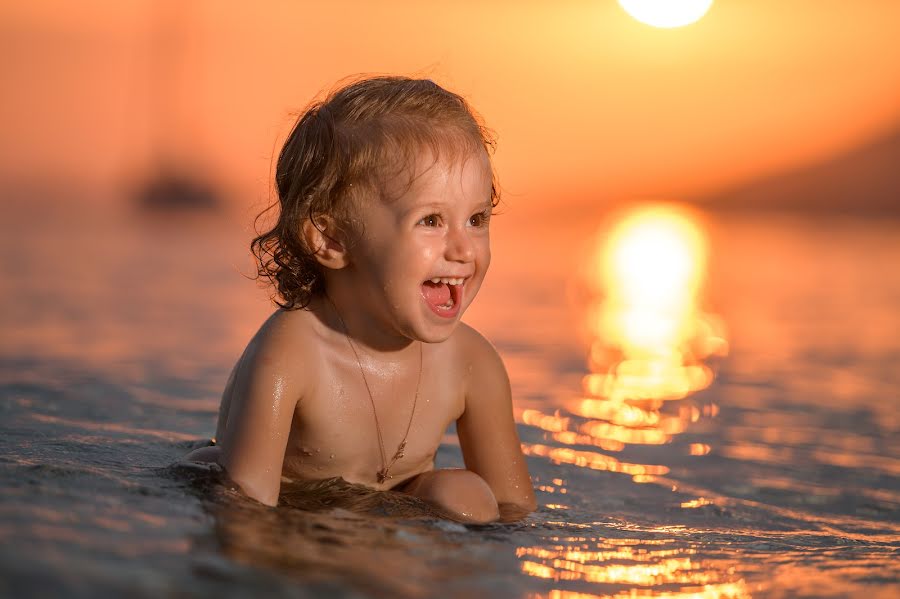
331	457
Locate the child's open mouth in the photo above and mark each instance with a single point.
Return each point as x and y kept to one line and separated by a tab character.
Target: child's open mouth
443	295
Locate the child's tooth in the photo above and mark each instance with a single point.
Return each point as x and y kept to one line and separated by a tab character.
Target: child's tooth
448	280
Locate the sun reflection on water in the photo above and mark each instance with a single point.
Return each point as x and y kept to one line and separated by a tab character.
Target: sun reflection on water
650	336
651	347
651	343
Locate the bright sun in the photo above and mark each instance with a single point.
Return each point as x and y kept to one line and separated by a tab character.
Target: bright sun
666	13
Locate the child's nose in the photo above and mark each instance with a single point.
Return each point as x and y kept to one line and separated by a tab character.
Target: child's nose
459	245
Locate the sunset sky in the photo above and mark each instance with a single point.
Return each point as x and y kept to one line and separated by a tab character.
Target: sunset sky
587	103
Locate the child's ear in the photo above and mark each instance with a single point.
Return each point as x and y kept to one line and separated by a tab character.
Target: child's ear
322	235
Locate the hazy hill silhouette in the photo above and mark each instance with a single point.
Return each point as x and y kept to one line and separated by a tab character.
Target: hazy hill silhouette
865	180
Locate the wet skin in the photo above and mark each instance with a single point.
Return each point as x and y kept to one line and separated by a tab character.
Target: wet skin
296	404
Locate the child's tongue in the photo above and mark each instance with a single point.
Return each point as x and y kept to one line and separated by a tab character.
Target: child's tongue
436	294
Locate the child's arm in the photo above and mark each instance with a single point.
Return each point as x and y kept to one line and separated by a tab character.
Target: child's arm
263	400
487	430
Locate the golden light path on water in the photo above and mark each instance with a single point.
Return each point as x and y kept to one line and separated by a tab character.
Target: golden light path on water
650	336
651	345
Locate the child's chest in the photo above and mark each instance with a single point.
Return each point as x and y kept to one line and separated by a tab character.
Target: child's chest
352	429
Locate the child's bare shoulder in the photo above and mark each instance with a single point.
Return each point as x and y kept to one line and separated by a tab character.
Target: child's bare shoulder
282	340
480	356
469	339
275	356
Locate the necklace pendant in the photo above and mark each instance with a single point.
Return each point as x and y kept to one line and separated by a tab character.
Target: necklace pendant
383	475
400	449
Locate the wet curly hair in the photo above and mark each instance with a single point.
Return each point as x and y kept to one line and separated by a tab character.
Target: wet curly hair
345	150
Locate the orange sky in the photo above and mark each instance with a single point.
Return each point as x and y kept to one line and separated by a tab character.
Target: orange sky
586	101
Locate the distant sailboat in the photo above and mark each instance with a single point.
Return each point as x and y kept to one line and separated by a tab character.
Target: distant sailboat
171	183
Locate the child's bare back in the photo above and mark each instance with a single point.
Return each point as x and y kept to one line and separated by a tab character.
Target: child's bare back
363	370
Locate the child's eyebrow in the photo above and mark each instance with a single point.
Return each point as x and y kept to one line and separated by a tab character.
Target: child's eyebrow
437	207
420	208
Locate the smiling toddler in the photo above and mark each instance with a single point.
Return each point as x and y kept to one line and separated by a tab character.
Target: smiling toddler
382	241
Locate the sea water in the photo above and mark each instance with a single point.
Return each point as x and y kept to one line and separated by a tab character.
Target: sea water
773	471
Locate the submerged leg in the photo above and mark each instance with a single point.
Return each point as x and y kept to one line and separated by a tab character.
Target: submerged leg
460	492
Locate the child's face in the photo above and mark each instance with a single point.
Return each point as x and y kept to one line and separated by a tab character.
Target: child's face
437	229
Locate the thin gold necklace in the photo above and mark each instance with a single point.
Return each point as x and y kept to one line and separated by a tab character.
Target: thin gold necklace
382	474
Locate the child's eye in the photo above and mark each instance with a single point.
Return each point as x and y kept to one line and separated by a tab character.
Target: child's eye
431	220
480	219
